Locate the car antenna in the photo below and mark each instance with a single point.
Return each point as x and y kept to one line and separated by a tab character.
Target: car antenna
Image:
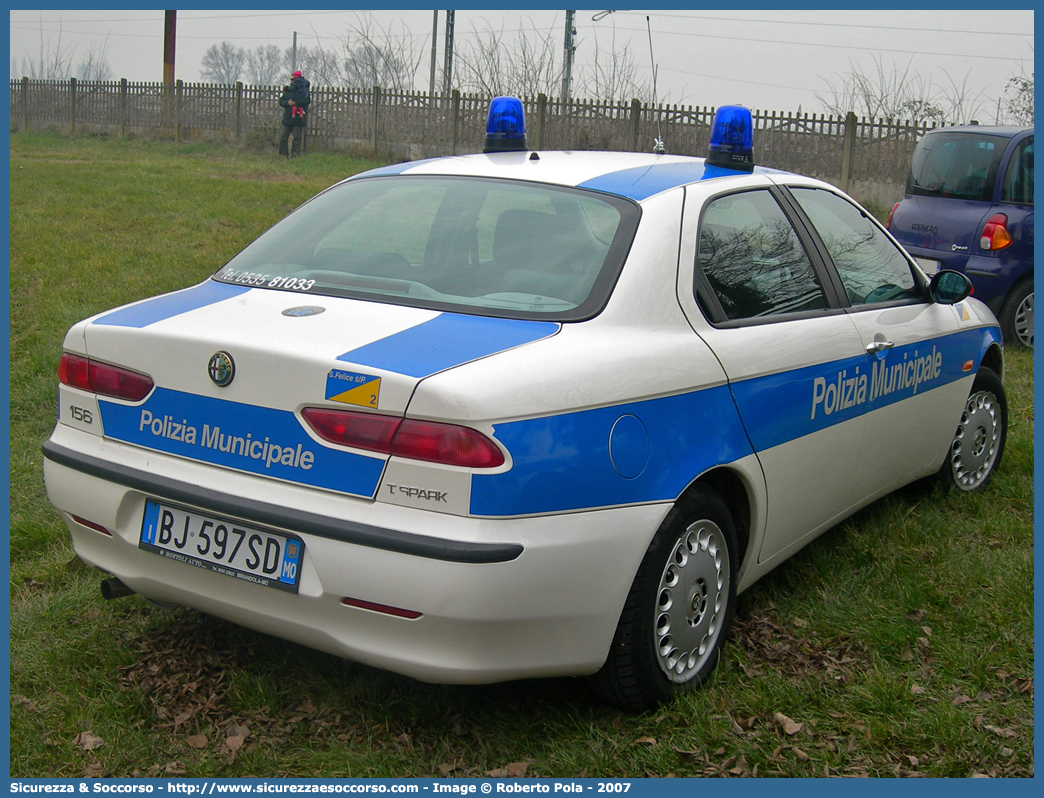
658	146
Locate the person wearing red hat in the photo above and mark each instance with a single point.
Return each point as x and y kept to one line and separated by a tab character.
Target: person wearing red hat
295	100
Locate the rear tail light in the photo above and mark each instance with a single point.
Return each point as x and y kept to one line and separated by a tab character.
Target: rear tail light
359	430
891	213
995	234
101	378
445	443
448	444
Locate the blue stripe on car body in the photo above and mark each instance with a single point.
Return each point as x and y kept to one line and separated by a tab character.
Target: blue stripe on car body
779	408
564	462
167	306
641	182
448	340
239	436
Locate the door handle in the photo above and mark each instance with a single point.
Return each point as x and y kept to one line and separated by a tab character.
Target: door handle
878	346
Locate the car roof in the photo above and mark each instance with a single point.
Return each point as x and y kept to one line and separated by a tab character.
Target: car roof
1007	131
633	175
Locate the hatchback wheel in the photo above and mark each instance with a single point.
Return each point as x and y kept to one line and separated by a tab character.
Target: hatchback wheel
978	443
1016	317
679	609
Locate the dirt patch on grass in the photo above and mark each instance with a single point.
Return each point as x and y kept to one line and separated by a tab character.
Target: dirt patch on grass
774	647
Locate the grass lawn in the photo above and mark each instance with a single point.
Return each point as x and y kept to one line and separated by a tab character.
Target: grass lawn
900	643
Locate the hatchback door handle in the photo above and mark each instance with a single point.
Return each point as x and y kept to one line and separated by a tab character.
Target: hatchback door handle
878	346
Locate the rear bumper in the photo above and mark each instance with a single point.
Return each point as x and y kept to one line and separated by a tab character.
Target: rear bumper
993	277
499	598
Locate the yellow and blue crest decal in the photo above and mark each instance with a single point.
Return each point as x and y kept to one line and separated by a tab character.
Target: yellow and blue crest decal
363	390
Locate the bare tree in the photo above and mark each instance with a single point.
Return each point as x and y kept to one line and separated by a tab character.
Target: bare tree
1019	96
884	93
376	56
960	104
321	66
95	65
264	65
612	75
488	65
223	63
54	62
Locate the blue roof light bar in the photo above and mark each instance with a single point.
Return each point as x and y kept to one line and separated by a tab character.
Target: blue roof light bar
505	126
732	139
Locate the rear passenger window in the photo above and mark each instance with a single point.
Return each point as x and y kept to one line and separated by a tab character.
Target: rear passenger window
1018	182
752	258
871	267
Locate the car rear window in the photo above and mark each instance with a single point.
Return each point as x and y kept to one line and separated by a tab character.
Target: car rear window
959	165
484	246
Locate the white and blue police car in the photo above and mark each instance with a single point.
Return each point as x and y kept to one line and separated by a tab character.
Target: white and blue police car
521	413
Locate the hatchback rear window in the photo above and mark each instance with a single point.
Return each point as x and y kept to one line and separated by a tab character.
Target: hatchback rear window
484	246
958	165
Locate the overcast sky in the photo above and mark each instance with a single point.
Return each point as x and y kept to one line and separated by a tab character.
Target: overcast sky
766	59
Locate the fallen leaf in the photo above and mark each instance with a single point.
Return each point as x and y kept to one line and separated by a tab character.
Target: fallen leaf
923	642
197	741
645	741
789	726
915	615
1007	733
801	623
514	770
88	741
962	699
235	730
445	768
235	742
24	702
916	689
913	760
92	771
800	754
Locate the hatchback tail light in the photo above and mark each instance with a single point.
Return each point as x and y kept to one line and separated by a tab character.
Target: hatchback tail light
102	378
891	213
995	234
433	442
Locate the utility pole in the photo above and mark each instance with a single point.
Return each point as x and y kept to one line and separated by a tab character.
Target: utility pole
434	48
567	56
447	69
293	55
170	19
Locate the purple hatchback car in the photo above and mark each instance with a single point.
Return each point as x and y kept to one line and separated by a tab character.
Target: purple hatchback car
969	207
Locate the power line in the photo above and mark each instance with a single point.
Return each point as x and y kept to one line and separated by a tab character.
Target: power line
819	44
834	24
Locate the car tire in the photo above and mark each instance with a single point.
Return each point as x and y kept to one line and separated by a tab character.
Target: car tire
679	609
978	444
1016	316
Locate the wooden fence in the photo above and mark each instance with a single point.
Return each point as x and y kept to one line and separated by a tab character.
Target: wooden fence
865	156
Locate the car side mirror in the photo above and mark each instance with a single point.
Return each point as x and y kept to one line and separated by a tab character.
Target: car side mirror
949	287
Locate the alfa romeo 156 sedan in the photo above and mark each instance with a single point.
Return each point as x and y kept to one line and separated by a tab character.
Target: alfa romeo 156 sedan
521	413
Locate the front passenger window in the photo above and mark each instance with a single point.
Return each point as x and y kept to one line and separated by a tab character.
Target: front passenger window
871	267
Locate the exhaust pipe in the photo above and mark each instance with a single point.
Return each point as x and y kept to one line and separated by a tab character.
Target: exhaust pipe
113	588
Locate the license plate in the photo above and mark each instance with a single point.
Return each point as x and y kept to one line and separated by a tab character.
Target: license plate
226	547
928	266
